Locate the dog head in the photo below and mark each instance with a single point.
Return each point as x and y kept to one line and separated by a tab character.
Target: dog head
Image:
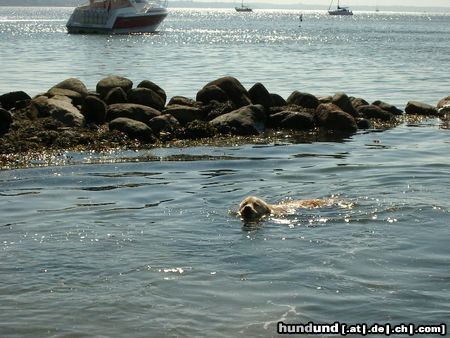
253	208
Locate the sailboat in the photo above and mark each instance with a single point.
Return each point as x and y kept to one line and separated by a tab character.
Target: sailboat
339	10
243	8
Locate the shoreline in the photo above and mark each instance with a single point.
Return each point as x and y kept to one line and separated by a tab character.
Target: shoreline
119	115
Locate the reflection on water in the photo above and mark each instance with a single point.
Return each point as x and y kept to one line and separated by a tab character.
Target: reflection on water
156	245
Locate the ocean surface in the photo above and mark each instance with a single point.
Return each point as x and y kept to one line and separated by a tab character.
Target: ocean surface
148	243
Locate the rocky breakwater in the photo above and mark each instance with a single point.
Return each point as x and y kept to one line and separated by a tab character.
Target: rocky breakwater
117	114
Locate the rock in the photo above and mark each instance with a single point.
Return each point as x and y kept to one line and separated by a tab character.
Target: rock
105	85
75	97
419	108
305	100
343	101
210	93
94	110
292	120
363	124
325	99
8	100
146	97
196	130
116	95
260	95
164	122
234	90
5	120
277	100
66	113
39	107
375	112
445	102
153	86
133	129
357	102
215	108
334	119
133	111
183	101
73	85
249	120
185	114
388	107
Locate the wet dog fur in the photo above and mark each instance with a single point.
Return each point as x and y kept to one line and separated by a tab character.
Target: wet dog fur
253	209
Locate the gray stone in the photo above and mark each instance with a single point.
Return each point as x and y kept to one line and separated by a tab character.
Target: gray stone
343	101
133	129
162	123
153	86
75	97
94	110
66	113
292	120
133	111
234	90
388	107
146	97
116	95
5	120
305	100
375	112
8	100
74	85
419	108
249	120
185	114
211	93
260	95
334	119
105	85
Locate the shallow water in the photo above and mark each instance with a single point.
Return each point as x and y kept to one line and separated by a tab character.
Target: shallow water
153	246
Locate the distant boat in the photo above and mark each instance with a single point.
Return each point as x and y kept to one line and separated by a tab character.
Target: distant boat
339	10
243	8
117	16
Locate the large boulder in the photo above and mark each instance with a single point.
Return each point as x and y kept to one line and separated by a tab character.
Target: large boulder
66	113
249	120
292	120
106	84
305	100
278	100
74	85
234	90
75	97
116	95
94	110
146	97
133	111
185	114
388	107
39	106
153	86
8	100
419	108
343	101
5	120
260	95
211	93
328	117
357	102
375	112
134	129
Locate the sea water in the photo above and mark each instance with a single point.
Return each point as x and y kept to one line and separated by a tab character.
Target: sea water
148	243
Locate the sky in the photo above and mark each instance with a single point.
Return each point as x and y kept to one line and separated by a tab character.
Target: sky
420	3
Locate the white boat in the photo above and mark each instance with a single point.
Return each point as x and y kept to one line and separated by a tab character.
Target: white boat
339	10
243	8
117	17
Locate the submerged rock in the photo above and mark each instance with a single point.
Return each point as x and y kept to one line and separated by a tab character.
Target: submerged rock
133	129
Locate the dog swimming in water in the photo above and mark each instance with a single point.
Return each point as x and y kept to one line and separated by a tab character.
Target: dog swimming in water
253	209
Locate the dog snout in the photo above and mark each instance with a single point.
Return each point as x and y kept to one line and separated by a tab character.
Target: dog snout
247	212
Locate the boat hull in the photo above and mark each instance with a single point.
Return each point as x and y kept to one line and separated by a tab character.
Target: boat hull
340	12
101	23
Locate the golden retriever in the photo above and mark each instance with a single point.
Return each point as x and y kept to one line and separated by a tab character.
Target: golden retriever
253	209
